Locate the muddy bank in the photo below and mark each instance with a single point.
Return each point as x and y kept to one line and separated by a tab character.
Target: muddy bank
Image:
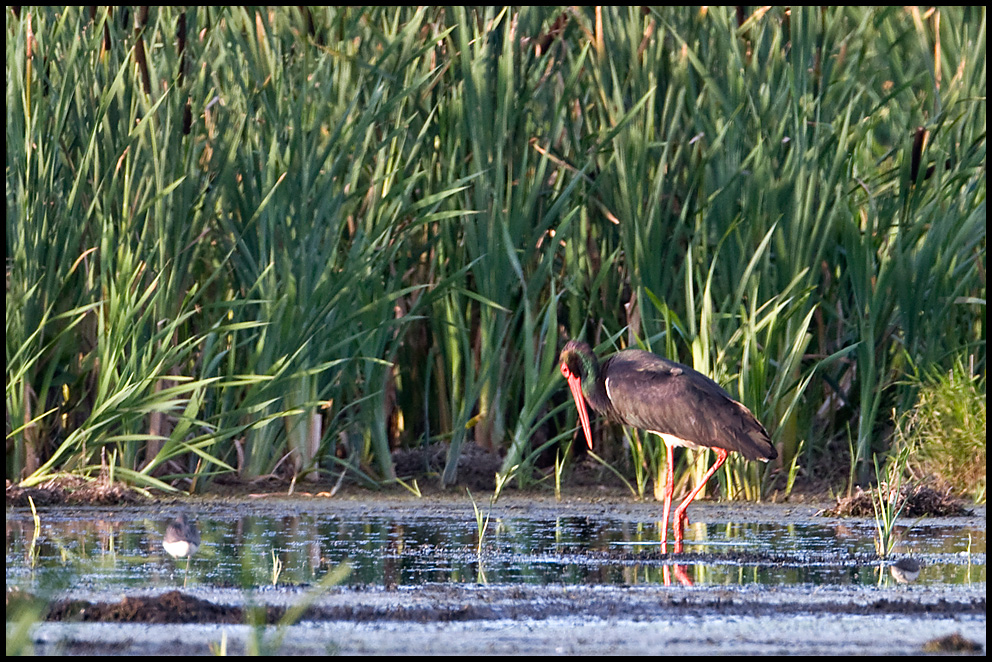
561	620
450	603
591	502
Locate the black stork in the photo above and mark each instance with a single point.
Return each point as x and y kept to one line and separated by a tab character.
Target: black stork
683	407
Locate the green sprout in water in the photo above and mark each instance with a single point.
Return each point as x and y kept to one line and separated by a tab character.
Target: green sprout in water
481	523
33	550
887	501
276	567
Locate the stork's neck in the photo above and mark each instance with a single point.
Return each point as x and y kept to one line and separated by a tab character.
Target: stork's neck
593	384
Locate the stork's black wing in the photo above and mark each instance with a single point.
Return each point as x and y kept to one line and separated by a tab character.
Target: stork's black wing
652	393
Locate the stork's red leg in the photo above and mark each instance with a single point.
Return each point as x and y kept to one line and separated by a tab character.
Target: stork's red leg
680	575
669	490
679	523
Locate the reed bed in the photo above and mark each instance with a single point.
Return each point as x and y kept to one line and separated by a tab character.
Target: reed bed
289	241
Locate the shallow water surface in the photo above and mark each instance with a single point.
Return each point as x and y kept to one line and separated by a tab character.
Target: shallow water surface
258	544
584	576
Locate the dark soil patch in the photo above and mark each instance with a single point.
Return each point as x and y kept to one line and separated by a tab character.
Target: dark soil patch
915	500
477	467
953	643
73	490
171	607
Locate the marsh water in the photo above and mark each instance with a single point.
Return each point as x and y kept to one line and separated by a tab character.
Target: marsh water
526	575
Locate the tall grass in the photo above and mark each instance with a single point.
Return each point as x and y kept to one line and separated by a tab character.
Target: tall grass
288	241
946	429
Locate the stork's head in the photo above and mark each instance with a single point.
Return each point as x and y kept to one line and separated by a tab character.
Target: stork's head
579	368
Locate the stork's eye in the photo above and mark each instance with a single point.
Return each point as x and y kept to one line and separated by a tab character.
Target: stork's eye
565	371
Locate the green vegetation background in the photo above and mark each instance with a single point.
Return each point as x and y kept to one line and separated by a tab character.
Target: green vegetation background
235	233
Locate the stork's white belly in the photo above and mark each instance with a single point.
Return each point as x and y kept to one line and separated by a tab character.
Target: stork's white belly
672	440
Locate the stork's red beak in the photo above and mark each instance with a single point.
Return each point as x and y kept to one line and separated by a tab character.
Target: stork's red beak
575	384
